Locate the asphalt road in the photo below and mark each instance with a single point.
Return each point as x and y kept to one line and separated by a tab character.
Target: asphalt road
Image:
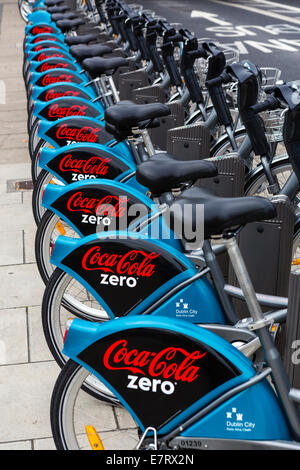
265	32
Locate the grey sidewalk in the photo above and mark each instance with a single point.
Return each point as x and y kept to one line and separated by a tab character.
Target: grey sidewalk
27	370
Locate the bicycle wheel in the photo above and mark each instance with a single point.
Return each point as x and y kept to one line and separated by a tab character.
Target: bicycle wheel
33	138
257	183
72	409
59	305
35	169
43	179
66	298
25	10
50	227
296	247
223	146
31	120
218	130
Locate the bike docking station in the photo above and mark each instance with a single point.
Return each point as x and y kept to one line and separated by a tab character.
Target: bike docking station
270	274
292	342
165	238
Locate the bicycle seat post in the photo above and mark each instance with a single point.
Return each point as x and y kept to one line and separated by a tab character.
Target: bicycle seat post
148	142
243	278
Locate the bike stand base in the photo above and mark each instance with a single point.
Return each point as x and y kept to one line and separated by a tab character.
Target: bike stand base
228	183
292	330
267	250
130	81
158	135
149	94
230	179
127	68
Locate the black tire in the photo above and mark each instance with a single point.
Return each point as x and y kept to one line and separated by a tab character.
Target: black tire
57	281
43	245
68	380
30	119
224	141
35	171
57	278
39	257
58	393
258	176
37	209
31	133
296	244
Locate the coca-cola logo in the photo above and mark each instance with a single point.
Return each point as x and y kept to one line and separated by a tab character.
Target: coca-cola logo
53	95
170	362
46	66
49	80
44	56
111	206
39	39
56	111
40	48
85	134
41	30
134	262
92	166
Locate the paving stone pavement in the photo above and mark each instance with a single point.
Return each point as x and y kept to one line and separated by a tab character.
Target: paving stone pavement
27	370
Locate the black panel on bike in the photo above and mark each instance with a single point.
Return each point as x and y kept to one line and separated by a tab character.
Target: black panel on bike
98	208
216	61
44	55
247	83
68	107
46	45
78	130
54	76
291	129
60	90
56	63
159	373
86	163
248	87
36	30
45	37
124	271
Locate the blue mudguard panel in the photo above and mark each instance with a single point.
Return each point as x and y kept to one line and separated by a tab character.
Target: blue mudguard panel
176	368
252	414
125	264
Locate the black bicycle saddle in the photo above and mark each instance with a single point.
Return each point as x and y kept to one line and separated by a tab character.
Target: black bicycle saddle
163	172
68	15
83	51
97	66
125	115
220	213
67	25
82	39
50	3
58	9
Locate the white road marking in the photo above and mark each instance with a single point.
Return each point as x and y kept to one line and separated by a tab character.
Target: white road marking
278	5
271	14
213	17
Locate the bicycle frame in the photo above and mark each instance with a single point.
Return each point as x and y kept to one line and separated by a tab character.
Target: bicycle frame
211	424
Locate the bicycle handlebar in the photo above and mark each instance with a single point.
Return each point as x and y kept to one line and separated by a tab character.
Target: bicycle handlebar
220	80
270	103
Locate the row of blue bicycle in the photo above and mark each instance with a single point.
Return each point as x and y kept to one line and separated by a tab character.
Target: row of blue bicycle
136	310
